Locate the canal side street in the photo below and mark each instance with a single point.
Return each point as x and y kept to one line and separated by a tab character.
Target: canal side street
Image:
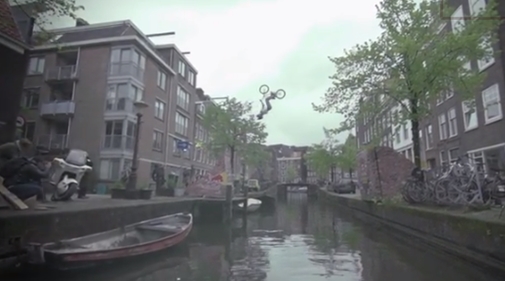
474	236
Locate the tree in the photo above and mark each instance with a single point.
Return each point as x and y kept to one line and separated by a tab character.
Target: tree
44	12
411	64
319	160
231	128
346	158
291	174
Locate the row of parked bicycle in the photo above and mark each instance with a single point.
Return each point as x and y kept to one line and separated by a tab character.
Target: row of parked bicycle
461	183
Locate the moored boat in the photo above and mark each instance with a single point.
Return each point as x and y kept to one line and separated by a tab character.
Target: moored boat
252	205
134	240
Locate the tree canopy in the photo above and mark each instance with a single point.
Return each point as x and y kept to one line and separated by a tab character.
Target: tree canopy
45	11
233	128
319	160
291	174
415	61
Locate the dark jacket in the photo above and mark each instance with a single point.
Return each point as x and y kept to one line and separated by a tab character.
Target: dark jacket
22	170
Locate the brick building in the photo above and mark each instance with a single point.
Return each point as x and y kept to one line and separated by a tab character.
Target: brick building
81	88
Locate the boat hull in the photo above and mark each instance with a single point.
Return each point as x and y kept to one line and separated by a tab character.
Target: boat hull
85	259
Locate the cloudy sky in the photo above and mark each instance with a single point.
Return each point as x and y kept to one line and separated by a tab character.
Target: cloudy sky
237	45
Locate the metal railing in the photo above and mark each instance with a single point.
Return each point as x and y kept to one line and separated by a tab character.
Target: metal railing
118	142
61	72
126	69
57	107
53	141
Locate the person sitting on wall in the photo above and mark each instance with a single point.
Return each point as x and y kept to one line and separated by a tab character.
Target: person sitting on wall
23	176
11	150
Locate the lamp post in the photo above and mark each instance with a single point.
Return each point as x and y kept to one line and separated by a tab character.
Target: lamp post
132	180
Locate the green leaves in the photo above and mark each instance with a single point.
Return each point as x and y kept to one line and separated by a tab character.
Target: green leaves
231	126
411	64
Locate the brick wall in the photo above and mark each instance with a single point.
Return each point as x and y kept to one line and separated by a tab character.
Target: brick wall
381	171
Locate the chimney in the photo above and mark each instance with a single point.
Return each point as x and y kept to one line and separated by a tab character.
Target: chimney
81	22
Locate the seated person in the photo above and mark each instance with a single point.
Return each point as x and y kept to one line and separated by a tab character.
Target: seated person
11	150
22	177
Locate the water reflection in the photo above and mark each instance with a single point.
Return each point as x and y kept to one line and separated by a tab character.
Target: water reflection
298	240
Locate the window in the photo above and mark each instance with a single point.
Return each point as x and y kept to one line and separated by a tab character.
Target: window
449	93
469	115
116	137
442	123
158	140
476	6
397	135
182	98
182	68
453	123
429	137
491	102
458	20
405	132
477	158
488	58
36	65
200	109
191	78
162	80
443	159
453	155
31	98
467	65
136	94
110	169
29	130
127	61
159	109
117	96
181	124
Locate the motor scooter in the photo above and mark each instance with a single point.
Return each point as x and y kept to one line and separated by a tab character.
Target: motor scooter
66	174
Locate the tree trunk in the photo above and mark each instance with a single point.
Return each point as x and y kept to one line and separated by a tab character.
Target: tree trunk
332	173
232	159
414	122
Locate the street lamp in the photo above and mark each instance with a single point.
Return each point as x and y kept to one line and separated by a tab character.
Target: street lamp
132	180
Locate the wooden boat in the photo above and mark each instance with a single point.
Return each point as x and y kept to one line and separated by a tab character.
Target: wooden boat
122	243
252	205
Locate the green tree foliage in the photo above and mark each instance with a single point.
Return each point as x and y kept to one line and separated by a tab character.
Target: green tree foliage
346	157
291	174
232	128
319	160
415	61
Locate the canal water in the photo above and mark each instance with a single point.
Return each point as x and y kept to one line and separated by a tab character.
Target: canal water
297	239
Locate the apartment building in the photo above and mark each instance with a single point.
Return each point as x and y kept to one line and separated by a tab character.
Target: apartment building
455	128
81	89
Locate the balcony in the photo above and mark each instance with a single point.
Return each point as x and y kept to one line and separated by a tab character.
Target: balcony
60	74
119	69
118	142
54	141
57	108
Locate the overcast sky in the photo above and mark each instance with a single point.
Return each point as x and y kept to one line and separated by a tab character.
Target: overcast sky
237	45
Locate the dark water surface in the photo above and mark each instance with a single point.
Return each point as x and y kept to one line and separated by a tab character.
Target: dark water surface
296	240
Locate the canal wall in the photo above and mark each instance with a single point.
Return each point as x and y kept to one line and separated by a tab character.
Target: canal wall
476	240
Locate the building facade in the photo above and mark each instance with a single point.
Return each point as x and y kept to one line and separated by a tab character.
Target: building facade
455	128
82	87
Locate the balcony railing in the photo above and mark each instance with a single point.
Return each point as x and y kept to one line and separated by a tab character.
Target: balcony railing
59	73
126	69
57	107
118	142
54	141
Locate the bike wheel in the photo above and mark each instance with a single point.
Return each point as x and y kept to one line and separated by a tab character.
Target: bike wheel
280	94
264	89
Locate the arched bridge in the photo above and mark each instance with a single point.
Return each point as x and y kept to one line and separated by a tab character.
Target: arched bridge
311	187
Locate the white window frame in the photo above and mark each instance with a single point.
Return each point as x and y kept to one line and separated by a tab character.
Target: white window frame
182	98
443	162
429	136
159	109
162	80
496	101
476	6
442	126
452	122
469	110
449	156
158	137
191	77
106	168
458	20
182	68
485	63
36	65
181	124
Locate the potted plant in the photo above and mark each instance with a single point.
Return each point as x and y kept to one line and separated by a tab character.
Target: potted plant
145	192
118	191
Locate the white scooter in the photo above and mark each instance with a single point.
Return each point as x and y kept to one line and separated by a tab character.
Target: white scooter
67	174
